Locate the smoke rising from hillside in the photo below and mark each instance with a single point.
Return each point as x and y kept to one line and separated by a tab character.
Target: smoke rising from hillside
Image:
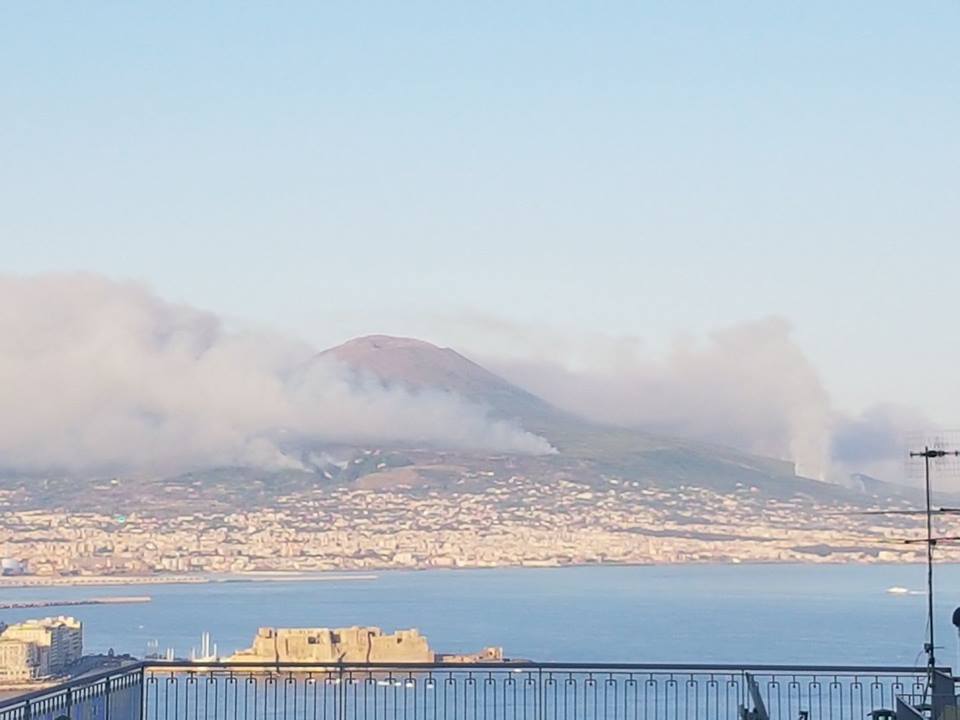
748	386
876	442
101	375
97	375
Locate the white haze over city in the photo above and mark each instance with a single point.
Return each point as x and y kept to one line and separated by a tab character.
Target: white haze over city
99	375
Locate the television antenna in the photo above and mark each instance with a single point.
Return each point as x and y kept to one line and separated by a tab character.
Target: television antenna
936	452
931	453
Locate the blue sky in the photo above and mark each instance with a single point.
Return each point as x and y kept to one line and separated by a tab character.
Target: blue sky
640	169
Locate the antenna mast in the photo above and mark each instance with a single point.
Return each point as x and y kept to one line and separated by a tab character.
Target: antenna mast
927	454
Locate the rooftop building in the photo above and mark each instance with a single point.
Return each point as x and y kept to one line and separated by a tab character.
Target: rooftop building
20	661
39	648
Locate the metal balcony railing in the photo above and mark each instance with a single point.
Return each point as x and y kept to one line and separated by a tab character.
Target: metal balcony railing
512	691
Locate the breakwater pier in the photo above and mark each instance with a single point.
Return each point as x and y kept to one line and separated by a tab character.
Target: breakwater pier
119	600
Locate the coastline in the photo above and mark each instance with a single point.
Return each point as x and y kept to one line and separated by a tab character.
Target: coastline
115	600
30	581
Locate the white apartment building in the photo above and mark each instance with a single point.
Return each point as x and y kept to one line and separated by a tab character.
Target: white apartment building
38	648
20	661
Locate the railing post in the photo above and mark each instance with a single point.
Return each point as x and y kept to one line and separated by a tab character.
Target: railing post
106	698
142	690
541	695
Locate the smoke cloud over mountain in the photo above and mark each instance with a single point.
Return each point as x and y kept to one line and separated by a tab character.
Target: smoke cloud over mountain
877	441
101	375
98	375
748	386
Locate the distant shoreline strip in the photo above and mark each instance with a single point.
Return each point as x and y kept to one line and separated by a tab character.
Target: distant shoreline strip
99	581
119	600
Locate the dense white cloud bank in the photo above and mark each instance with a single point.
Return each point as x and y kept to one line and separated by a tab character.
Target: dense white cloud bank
101	375
748	386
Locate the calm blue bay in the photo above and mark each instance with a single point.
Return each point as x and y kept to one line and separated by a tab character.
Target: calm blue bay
719	613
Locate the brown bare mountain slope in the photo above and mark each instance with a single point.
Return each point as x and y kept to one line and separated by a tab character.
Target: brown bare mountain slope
419	365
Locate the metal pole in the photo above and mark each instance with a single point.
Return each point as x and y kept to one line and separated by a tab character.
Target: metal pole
931	661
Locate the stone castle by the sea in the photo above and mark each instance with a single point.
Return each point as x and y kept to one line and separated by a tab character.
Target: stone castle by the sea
351	645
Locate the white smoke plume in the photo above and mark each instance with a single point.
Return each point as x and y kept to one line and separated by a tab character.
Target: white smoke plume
748	386
97	374
877	443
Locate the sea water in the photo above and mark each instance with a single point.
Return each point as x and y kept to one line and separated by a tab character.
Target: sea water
817	614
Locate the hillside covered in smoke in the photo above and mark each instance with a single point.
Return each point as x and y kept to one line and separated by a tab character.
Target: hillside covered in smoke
100	376
103	377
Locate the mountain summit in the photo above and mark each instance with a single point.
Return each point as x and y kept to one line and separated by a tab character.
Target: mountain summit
418	365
